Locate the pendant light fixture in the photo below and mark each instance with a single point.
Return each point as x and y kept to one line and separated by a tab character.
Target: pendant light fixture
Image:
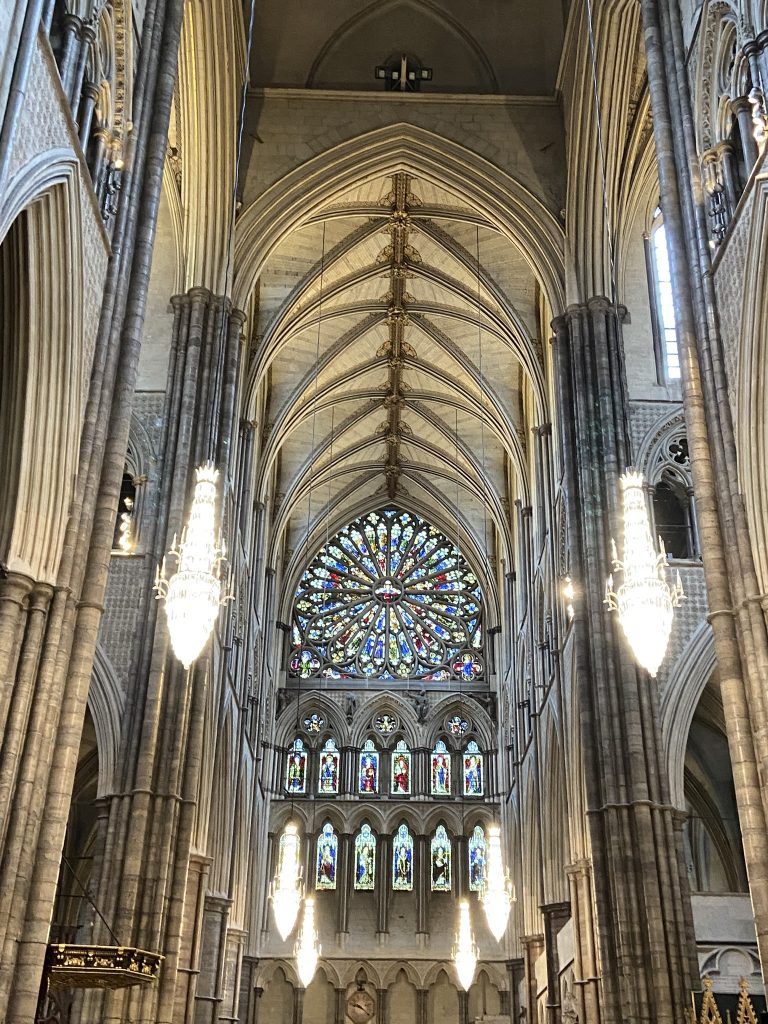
464	952
307	950
497	893
286	888
193	593
645	601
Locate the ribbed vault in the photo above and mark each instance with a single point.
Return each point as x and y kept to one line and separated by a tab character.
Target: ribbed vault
399	355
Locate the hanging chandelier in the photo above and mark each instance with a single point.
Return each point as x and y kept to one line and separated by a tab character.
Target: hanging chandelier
193	593
644	601
286	887
464	952
307	950
497	894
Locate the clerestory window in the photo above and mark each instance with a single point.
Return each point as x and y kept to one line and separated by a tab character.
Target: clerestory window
665	325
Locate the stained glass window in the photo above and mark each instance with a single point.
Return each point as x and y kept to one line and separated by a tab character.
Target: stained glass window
457	725
664	302
440	762
401	769
368	774
389	597
402	860
314	723
473	770
328	774
365	859
441	860
477	859
296	769
327	850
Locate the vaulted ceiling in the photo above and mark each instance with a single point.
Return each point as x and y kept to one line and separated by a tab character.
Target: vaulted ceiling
471	46
397	368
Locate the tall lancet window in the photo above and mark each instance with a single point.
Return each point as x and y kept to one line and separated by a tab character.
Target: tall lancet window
664	320
388	598
365	859
327	850
476	859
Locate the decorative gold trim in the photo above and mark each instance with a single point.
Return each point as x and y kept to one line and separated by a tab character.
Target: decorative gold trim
75	966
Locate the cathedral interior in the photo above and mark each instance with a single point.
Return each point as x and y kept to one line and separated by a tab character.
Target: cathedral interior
383	511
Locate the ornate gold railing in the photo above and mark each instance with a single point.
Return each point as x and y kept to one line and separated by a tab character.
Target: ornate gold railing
76	966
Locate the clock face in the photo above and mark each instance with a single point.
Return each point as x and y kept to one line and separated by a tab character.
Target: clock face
360	1007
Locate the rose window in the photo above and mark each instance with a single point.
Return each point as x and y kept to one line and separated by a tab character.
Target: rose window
390	597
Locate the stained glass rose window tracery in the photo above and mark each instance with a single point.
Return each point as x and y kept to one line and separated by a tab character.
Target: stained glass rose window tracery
390	597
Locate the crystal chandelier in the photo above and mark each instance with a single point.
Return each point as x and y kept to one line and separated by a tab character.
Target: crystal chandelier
307	950
497	893
464	952
644	601
286	887
193	594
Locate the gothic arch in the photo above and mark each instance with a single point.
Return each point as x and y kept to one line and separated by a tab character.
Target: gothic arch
751	379
106	701
687	679
42	360
376	8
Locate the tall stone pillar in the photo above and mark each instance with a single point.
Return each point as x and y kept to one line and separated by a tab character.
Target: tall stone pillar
555	916
642	946
144	881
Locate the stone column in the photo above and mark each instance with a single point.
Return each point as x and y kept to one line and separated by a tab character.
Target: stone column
71	28
340	1007
42	791
298	1005
463	1007
585	974
516	974
555	917
733	588
346	873
212	956
422	1005
533	947
643	946
383	887
382	1015
742	108
422	870
85	114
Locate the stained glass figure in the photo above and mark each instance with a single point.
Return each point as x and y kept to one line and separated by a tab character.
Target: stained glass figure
296	769
457	725
389	597
327	851
441	770
385	724
314	723
441	860
477	859
328	777
473	770
368	775
467	667
304	664
365	859
402	860
401	769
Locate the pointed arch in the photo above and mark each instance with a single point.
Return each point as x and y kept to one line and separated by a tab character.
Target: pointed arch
41	360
